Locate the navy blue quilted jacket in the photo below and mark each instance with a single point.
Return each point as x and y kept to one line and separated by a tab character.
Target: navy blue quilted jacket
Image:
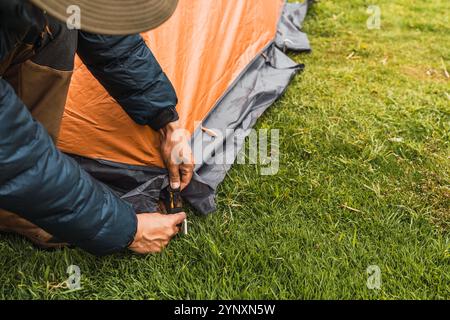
47	187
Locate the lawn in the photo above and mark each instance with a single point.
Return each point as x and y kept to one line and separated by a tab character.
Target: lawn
364	180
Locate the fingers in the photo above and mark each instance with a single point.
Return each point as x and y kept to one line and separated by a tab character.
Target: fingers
187	171
180	176
175	222
181	171
155	231
177	155
174	176
178	218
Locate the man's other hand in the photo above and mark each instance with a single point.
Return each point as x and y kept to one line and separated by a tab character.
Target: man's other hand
177	155
155	231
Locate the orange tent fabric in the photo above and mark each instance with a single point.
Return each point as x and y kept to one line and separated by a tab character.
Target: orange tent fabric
203	49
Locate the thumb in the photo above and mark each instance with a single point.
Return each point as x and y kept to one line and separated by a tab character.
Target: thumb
178	218
174	176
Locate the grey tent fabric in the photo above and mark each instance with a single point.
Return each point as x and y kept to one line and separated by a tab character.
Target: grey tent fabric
262	84
290	35
140	186
258	87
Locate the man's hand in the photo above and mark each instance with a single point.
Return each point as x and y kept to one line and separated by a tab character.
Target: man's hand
177	155
155	231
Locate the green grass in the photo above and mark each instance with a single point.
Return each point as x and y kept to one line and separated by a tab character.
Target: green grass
364	180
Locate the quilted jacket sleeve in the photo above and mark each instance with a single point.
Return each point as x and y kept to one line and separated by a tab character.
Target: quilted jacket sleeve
49	189
126	67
